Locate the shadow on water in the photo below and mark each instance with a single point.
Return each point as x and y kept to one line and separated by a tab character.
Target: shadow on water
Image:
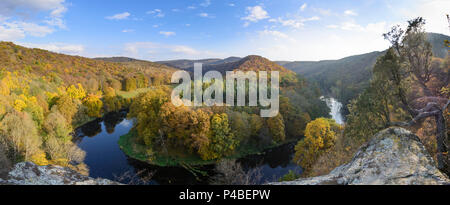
105	159
273	163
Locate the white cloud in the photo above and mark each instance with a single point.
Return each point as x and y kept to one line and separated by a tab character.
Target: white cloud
274	33
58	22
120	16
205	15
350	13
34	29
71	49
128	30
255	14
158	51
303	7
16	22
59	11
294	23
351	26
312	44
433	11
156	12
11	7
323	12
167	33
191	7
206	3
11	31
377	28
333	26
184	50
231	4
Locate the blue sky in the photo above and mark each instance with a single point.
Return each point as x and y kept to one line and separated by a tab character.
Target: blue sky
170	29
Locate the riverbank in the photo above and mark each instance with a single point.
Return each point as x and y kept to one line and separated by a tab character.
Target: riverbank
137	151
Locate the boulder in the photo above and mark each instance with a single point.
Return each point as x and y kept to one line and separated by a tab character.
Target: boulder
28	173
394	156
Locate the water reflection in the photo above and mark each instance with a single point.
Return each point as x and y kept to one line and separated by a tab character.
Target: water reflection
273	163
105	159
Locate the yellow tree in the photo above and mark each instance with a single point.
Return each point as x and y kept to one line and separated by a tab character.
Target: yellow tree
76	92
94	105
221	140
319	137
146	109
276	127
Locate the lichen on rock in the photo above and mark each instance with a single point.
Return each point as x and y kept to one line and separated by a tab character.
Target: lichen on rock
394	156
28	173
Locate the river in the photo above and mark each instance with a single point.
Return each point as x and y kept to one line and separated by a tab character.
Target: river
105	159
335	109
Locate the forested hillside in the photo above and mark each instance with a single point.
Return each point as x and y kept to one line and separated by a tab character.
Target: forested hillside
45	95
168	135
408	86
345	78
158	73
185	64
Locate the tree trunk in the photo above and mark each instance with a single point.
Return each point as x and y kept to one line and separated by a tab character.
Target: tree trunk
433	110
442	144
426	90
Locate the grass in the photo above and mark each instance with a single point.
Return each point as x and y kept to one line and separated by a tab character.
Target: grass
177	157
131	148
180	157
134	93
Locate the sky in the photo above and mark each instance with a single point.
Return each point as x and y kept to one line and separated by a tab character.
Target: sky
195	29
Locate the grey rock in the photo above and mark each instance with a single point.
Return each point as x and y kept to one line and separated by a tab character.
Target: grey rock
28	173
394	156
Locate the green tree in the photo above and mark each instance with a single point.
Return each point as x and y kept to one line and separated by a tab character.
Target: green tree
276	128
221	141
94	105
130	84
256	124
56	126
146	109
67	107
18	132
378	106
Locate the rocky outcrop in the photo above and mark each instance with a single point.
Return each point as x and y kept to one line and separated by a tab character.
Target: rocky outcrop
27	173
394	156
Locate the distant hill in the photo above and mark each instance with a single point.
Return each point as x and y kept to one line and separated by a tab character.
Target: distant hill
347	77
252	62
69	70
117	59
155	70
436	40
345	66
342	79
185	64
355	68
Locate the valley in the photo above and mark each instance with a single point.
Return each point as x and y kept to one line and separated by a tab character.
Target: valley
113	117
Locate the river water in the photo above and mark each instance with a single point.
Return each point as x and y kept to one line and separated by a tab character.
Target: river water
105	159
335	109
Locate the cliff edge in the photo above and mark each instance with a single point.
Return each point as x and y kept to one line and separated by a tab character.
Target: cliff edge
28	173
394	156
